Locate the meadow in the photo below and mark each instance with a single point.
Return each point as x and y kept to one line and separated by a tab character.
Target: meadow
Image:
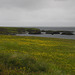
23	55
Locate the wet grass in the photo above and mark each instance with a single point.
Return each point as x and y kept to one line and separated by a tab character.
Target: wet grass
22	55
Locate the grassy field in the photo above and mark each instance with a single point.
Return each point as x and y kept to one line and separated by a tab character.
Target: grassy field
22	55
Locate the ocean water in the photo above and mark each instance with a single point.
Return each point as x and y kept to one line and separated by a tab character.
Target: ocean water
55	35
49	35
57	28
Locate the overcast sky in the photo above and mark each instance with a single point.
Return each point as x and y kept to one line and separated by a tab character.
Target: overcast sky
37	13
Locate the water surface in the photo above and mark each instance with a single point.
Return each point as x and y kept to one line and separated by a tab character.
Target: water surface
54	29
49	35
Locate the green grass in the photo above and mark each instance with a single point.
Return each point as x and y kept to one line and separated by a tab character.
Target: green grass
23	55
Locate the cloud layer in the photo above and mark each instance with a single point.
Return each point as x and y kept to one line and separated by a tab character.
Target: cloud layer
37	12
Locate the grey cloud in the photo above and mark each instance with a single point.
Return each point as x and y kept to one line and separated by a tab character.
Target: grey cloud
27	4
37	12
36	4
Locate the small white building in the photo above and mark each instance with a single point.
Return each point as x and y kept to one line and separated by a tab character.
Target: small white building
43	32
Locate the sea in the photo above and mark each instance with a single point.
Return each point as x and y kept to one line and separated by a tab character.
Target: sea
57	28
54	29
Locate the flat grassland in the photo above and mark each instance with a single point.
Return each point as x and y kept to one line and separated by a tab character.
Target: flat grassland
23	55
